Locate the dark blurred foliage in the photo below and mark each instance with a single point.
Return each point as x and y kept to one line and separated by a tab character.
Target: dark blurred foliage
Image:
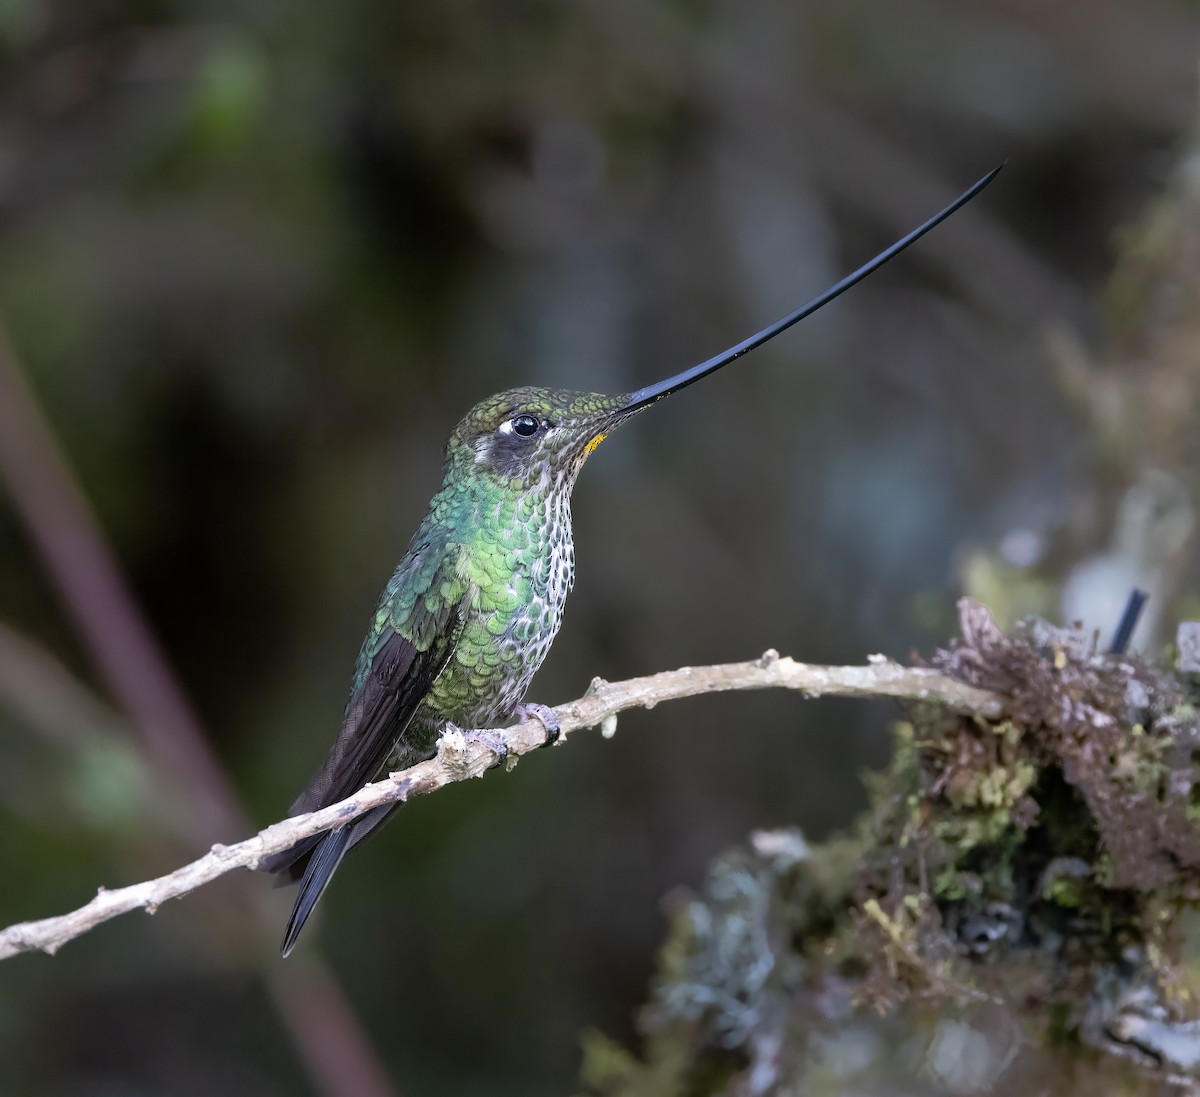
257	258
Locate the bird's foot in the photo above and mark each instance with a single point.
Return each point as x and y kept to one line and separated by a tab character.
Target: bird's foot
544	715
493	740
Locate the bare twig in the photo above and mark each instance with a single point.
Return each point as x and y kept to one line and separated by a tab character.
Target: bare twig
461	756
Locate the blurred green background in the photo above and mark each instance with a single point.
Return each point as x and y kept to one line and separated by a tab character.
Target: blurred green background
255	261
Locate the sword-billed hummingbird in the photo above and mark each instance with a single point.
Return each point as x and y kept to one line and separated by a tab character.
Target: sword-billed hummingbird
471	611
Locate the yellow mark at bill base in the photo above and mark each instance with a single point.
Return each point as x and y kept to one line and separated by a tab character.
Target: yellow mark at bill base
587	450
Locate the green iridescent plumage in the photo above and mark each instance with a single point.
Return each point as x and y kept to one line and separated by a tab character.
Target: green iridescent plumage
472	609
496	542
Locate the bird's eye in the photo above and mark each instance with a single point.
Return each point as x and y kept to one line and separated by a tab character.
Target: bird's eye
525	425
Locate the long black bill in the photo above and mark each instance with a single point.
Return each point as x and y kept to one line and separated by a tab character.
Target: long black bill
644	397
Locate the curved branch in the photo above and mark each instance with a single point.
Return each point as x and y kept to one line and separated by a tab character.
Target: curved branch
461	756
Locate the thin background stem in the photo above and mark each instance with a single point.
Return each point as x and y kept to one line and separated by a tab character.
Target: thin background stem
119	640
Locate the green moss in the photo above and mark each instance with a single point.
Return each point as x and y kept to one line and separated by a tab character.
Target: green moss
1065	892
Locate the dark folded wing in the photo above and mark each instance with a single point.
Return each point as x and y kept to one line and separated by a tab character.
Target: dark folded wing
389	689
377	715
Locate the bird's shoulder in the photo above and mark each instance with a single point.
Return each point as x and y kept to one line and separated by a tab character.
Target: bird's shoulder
421	600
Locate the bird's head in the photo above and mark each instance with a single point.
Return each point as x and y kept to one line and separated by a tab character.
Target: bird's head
534	436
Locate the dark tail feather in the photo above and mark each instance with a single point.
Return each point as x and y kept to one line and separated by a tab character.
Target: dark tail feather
292	864
322	864
289	865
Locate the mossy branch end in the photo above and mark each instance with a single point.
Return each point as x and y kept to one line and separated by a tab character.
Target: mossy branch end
1022	885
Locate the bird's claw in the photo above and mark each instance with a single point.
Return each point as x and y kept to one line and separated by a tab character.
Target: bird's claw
493	740
544	715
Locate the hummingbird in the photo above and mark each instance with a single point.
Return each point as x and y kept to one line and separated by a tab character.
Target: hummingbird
470	613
